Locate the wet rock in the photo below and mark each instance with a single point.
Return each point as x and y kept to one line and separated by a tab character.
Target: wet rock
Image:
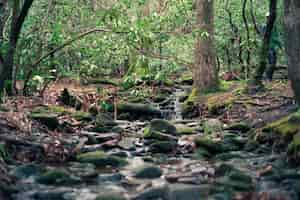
137	111
187	192
294	149
127	143
104	123
111	196
163	147
212	126
148	172
209	145
83	170
98	138
157	192
101	159
241	127
185	130
114	178
27	170
48	119
236	180
57	177
53	194
82	116
228	156
162	126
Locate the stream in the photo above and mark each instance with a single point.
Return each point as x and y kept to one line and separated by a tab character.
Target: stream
247	171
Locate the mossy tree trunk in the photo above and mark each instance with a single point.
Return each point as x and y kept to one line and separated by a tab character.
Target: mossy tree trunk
292	43
205	73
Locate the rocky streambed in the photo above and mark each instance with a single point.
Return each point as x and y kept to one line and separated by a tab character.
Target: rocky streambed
153	159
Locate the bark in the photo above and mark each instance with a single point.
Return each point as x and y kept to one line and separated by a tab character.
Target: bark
246	67
257	79
292	43
8	58
205	74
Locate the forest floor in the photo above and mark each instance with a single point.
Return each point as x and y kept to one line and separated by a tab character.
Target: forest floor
158	144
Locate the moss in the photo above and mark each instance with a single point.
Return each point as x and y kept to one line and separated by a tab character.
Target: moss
186	130
49	120
209	145
111	197
293	149
82	116
56	177
286	127
101	159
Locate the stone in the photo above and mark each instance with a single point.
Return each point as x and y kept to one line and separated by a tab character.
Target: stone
101	159
148	172
52	194
138	111
208	144
27	170
112	196
104	123
163	147
57	177
83	170
162	126
156	192
48	119
187	192
241	127
212	126
114	178
82	116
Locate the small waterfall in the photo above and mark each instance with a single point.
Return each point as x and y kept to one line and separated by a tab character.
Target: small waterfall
173	109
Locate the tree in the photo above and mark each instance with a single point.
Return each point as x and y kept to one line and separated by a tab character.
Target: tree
292	43
19	13
205	73
258	76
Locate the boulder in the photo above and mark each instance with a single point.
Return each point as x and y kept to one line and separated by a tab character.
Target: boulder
47	119
157	126
163	147
212	126
57	177
148	172
101	159
137	111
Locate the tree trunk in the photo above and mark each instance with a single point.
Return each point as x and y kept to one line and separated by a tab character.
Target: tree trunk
205	74
257	79
292	43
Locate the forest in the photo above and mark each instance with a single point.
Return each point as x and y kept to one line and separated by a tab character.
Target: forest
149	100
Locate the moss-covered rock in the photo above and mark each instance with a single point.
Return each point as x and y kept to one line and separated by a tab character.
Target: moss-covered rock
241	127
190	106
293	150
57	177
184	130
213	147
163	147
139	111
82	116
111	196
104	123
148	172
160	130
101	159
47	119
212	126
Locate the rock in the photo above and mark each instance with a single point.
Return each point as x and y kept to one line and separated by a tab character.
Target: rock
112	196
96	138
236	180
241	127
101	159
212	126
209	145
163	147
186	79
83	170
158	126
185	130
104	123
293	150
48	119
114	178
127	143
57	177
156	192
52	194
69	100
148	172
138	111
27	170
82	116
187	192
